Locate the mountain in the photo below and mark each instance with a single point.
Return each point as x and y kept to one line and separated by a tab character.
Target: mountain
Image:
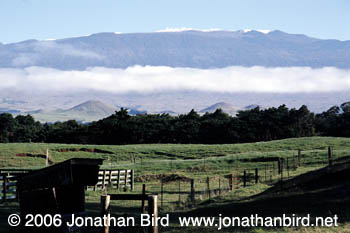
88	111
227	108
7	110
92	108
134	112
170	112
252	106
196	49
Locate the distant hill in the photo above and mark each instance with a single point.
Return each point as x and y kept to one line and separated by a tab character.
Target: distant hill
228	108
88	111
134	112
251	106
170	112
92	108
196	49
7	110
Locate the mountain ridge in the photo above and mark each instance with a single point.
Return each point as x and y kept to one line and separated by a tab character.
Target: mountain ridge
87	111
194	49
225	107
92	107
228	108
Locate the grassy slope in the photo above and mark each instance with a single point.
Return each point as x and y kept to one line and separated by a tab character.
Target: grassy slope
164	158
196	161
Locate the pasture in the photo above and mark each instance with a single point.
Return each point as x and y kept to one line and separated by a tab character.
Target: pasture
178	162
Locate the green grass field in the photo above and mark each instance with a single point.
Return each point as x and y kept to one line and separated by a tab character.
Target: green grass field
314	149
192	161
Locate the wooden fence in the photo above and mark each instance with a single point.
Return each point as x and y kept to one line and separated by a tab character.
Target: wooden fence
152	208
116	179
187	192
8	184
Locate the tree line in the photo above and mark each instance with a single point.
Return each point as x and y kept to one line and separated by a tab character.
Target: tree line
211	128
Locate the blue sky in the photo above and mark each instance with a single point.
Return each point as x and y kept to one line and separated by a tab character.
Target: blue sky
44	19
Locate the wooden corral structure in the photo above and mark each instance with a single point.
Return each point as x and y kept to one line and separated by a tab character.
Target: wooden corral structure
58	189
115	179
8	183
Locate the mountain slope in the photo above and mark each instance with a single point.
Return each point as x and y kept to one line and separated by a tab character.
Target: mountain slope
92	108
227	108
195	49
88	111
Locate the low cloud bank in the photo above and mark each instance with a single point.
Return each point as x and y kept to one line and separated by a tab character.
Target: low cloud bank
156	79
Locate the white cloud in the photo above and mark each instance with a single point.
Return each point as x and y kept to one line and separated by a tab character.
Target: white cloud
264	31
155	79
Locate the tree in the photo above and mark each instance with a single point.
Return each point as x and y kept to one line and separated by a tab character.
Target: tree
214	128
7	125
26	129
187	127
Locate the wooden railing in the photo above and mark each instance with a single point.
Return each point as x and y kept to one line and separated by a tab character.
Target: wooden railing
116	179
8	187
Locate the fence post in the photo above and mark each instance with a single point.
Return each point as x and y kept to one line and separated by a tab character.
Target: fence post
287	167
161	192
244	178
193	199
299	158
110	178
256	175
47	157
143	200
219	186
279	166
153	212
179	192
132	180
294	165
126	180
104	180
265	173
105	206
231	182
17	191
330	156
270	176
282	166
4	188
118	179
281	176
208	186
